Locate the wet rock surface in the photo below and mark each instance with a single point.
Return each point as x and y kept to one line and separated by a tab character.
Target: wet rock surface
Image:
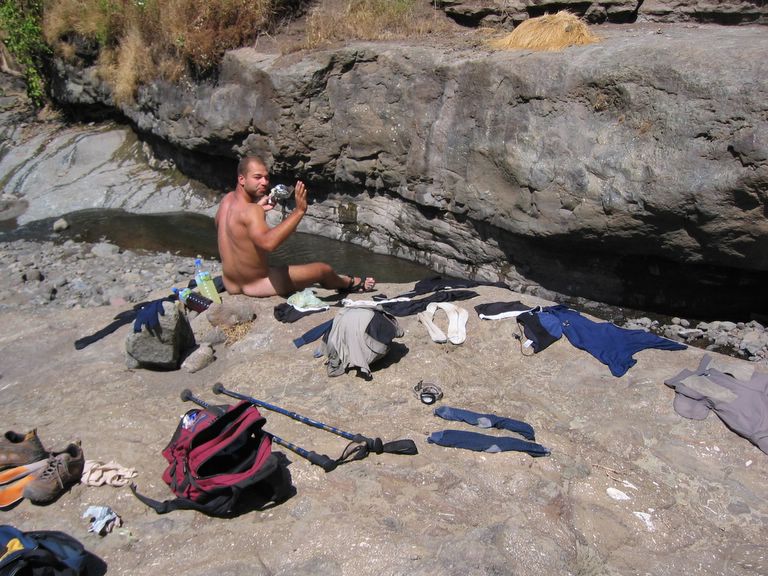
51	168
630	486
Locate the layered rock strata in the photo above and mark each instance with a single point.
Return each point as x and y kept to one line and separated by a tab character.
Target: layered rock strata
634	169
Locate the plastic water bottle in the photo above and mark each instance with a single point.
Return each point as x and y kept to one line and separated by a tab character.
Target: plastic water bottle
193	300
205	282
280	192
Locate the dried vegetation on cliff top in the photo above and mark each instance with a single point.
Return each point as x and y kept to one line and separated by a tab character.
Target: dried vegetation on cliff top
136	41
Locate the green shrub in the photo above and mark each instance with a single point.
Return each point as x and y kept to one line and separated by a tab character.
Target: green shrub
20	22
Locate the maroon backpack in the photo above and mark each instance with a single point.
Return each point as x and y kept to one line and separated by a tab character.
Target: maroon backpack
214	456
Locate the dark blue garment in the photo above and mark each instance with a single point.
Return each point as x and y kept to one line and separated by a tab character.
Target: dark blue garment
149	315
607	342
437	283
486	420
411	307
286	313
313	334
485	443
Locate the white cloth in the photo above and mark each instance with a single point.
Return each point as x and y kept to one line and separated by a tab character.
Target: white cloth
103	519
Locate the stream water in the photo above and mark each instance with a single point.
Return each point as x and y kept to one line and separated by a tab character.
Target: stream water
189	234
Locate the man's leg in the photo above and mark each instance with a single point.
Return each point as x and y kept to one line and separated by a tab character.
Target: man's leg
295	277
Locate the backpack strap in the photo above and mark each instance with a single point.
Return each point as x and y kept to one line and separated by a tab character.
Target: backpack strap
271	483
217	506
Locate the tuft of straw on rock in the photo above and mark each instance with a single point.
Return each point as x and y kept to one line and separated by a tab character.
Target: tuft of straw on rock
548	32
237	332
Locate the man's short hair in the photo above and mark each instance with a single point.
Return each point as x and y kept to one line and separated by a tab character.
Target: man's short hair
245	163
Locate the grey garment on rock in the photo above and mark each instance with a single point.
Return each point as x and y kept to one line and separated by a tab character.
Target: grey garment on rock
742	405
350	344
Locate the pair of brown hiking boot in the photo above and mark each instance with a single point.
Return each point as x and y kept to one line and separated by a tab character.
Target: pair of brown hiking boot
29	471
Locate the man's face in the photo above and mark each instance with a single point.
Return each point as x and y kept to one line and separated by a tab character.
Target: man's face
255	181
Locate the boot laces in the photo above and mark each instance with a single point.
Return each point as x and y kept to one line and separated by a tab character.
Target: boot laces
54	470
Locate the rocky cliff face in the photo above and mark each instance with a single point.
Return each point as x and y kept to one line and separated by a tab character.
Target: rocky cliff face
512	12
634	170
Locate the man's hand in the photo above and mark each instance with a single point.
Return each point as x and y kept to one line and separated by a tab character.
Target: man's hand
265	203
300	195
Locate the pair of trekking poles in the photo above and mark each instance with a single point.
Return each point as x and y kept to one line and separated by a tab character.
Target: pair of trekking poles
358	448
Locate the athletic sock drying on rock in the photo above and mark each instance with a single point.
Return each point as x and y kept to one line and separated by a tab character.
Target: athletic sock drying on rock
313	334
484	442
486	420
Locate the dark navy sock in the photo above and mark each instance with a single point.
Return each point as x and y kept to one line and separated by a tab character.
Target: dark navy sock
485	443
485	420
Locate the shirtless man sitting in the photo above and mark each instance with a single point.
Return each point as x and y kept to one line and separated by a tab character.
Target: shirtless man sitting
245	241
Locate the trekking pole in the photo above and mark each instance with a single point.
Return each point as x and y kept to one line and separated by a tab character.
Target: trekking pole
186	395
325	462
364	443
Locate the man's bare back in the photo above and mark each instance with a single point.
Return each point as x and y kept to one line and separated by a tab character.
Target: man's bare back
245	241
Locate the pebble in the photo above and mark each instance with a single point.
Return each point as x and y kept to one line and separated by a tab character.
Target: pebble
60	224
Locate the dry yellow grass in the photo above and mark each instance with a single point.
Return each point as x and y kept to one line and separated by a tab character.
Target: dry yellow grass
143	39
338	20
548	32
139	40
237	332
134	65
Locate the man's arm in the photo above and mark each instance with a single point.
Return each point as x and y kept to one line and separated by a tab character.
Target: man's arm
269	239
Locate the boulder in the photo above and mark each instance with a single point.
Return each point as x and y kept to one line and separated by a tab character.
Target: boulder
232	311
105	250
160	349
511	12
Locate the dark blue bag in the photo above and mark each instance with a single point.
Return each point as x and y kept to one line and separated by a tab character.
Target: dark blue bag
42	553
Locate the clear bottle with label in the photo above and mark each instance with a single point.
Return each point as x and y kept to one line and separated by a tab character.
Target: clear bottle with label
192	300
205	283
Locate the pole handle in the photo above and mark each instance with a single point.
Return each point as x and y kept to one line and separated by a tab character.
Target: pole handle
325	462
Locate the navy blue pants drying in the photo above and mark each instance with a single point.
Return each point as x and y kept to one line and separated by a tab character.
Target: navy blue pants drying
607	342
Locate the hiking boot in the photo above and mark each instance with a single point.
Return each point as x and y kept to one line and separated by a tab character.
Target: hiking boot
64	468
19	449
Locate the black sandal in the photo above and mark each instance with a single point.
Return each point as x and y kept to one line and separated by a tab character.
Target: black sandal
359	286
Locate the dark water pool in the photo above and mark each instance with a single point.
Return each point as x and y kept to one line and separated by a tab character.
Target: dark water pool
190	234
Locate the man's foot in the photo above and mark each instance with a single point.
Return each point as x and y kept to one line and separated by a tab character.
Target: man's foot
357	284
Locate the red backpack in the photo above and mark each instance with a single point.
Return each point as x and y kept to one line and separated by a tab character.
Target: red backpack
214	456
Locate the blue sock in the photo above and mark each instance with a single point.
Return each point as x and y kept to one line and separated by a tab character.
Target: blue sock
486	420
485	443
